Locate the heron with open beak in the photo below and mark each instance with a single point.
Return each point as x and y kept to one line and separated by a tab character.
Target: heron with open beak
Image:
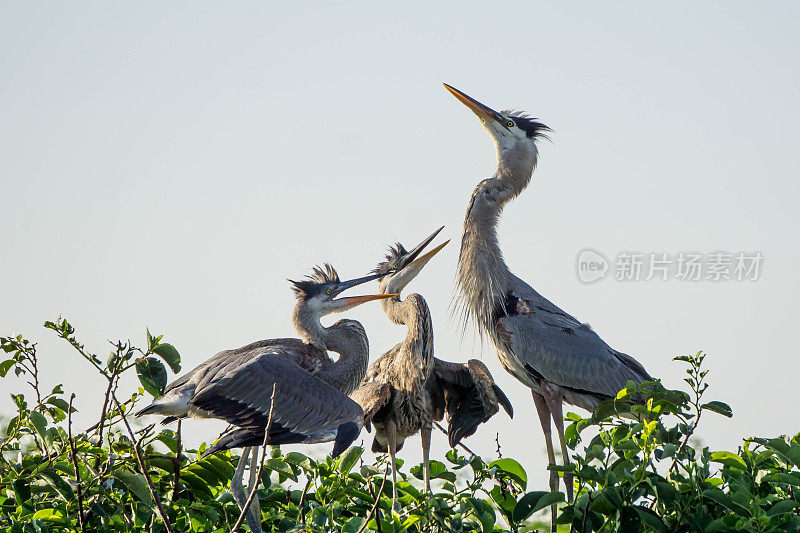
311	402
407	388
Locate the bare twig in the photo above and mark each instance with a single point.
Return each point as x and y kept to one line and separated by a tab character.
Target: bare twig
375	505
302	502
104	410
585	512
178	453
473	454
140	460
75	464
252	494
497	440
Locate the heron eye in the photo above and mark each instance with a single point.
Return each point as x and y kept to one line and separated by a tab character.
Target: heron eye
328	291
510	124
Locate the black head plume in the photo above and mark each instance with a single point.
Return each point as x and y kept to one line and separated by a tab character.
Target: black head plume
396	252
313	283
532	128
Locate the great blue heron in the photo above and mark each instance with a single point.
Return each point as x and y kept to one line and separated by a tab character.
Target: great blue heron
311	390
547	349
407	388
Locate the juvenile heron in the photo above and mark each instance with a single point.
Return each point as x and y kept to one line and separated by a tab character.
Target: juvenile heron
560	358
311	390
407	388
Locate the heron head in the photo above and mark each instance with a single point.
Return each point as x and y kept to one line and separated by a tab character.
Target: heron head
320	289
514	133
401	265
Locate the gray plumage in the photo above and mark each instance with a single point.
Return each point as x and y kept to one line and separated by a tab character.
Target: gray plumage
311	389
407	388
549	350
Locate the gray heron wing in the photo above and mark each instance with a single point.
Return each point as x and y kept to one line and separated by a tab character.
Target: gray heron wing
548	343
469	395
371	396
240	394
292	349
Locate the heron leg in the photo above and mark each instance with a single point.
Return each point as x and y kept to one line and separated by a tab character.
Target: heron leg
238	492
426	450
254	512
554	403
544	418
236	481
391	438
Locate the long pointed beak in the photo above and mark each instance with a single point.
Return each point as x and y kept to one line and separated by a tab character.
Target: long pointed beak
421	260
412	255
412	264
485	113
352	301
343	304
344	285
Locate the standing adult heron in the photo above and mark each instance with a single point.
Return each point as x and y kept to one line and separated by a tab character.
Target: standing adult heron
407	388
547	349
311	401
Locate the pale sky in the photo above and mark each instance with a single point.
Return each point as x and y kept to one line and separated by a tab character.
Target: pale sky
169	165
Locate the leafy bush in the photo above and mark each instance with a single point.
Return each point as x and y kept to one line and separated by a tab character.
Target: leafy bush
633	475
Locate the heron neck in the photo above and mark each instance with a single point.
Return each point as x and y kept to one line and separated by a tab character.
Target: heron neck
414	314
348	339
515	167
483	277
309	328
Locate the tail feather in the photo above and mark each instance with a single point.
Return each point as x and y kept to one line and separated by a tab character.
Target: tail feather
150	409
346	434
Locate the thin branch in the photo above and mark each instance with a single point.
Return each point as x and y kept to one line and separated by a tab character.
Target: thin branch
497	440
585	512
377	501
177	463
473	454
140	460
252	494
75	464
104	410
302	502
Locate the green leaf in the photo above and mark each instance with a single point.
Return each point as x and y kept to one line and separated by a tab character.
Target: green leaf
783	506
789	452
726	501
780	477
170	355
152	375
48	515
650	518
280	466
353	525
718	407
60	403
350	458
535	501
729	459
629	520
58	483
5	366
39	422
22	490
513	469
136	484
504	499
